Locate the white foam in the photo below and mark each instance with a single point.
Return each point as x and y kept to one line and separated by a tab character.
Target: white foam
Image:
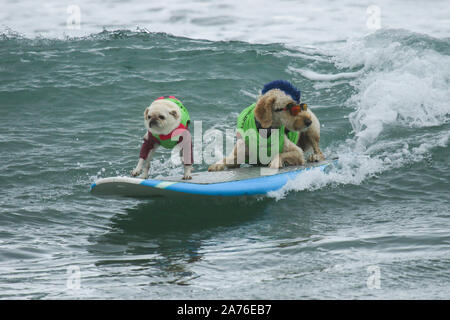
263	21
401	87
355	167
311	75
398	87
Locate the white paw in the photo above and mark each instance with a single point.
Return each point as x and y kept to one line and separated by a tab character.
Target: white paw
216	167
275	163
187	177
136	172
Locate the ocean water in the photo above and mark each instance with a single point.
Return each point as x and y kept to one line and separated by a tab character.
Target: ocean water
71	104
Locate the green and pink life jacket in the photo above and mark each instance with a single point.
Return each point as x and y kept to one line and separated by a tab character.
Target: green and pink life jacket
169	140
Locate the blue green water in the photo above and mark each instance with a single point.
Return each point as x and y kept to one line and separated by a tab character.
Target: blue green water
71	112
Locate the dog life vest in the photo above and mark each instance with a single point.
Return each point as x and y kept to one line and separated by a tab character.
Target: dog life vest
167	140
247	121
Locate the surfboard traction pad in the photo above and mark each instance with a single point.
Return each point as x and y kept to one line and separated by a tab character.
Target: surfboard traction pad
251	180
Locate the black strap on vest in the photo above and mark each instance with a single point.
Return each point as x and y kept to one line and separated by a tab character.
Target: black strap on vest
269	130
259	126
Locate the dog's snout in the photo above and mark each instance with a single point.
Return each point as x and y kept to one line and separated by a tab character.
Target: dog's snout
152	121
308	122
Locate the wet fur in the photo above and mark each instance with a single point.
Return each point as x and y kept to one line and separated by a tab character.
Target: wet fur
309	139
265	113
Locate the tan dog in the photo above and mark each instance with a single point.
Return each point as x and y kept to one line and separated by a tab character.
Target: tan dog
309	139
274	110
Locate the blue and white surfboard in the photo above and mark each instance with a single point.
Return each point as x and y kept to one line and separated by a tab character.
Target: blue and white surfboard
246	181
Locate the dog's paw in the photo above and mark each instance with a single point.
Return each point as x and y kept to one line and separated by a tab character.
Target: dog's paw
316	158
216	167
135	172
187	177
276	163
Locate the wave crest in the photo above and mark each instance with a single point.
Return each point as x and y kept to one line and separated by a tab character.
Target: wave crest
401	83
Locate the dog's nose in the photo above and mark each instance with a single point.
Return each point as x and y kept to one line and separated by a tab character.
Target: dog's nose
152	121
308	122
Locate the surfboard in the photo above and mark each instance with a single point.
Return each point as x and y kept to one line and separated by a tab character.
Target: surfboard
244	181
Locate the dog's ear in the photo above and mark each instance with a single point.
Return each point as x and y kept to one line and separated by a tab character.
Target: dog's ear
145	113
263	111
174	114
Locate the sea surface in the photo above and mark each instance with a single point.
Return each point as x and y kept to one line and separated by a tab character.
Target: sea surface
376	226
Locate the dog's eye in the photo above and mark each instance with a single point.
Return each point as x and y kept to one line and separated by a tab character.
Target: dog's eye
162	117
278	110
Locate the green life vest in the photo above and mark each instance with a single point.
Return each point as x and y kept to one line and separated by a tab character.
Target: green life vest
167	140
246	121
